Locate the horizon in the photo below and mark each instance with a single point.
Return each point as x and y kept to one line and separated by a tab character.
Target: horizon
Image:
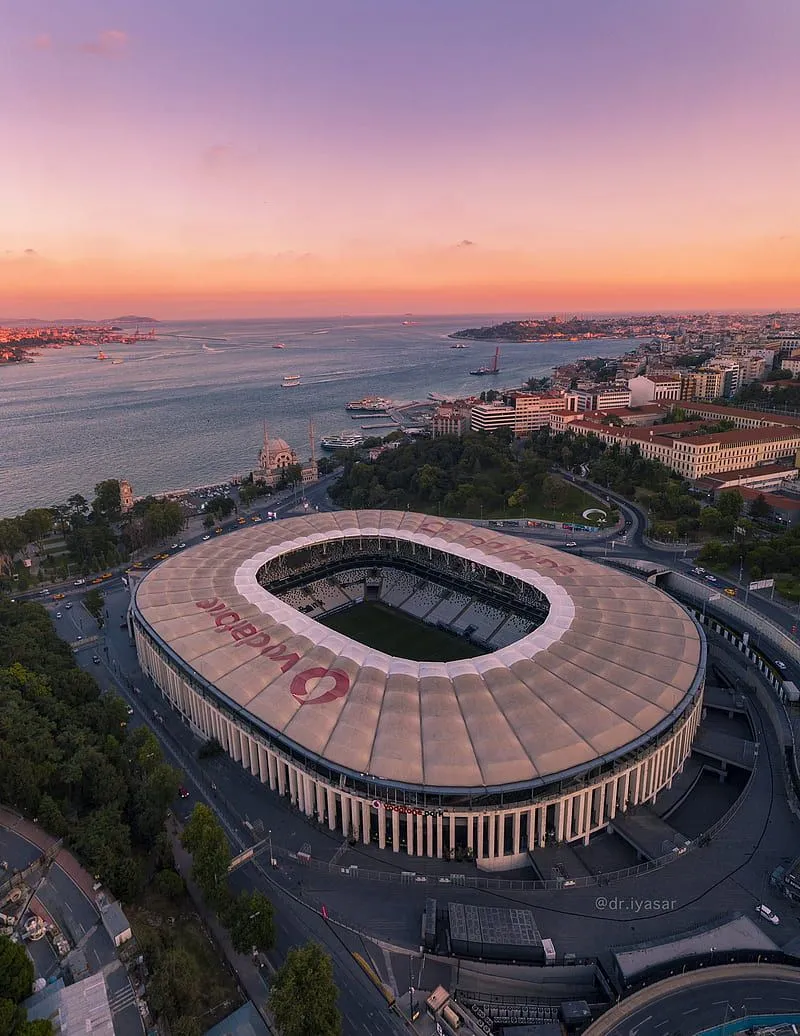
366	159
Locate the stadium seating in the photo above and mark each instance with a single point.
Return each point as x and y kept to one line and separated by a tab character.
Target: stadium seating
447	610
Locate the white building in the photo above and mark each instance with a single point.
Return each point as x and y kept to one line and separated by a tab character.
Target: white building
486	417
598	397
655	388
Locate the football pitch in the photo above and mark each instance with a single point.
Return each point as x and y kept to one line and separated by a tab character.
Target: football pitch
389	630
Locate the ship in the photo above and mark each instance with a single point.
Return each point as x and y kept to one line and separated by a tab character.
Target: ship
290	381
101	355
371	404
114	362
459	345
278	345
494	369
343	441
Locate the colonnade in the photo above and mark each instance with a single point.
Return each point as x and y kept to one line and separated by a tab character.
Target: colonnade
496	837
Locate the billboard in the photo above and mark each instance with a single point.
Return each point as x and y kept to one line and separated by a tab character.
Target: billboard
761	584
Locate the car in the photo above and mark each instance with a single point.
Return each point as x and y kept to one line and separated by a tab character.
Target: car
129	709
58	615
107	575
79	637
96	659
123	625
181	545
767	914
711	579
730	591
206	537
217	531
241	521
183	792
174	546
45	593
59	597
68	605
780	665
95	581
79	582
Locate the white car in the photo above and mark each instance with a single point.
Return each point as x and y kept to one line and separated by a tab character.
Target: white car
206	537
79	582
767	914
58	615
711	579
181	545
779	664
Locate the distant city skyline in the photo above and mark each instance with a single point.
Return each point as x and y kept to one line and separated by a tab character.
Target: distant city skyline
191	160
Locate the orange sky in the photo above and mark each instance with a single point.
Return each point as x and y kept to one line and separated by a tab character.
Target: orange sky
181	162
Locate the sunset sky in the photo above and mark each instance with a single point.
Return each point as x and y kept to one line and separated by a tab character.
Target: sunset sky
183	158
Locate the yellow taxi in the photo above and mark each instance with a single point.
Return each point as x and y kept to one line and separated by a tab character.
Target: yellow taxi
98	580
241	521
217	530
729	590
107	575
58	597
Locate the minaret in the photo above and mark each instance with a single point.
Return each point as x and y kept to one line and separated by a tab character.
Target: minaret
265	460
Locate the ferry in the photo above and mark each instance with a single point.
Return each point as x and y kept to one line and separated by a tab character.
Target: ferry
459	345
343	441
371	404
278	345
290	381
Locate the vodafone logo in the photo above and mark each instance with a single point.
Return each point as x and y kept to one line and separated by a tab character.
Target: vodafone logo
318	686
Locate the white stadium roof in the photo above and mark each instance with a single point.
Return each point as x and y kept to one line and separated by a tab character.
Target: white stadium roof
615	659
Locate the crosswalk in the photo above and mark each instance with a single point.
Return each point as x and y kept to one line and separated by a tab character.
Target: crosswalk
121	999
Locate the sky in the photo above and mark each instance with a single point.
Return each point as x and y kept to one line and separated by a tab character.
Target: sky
223	158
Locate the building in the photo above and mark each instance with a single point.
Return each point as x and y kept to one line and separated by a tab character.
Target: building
791	363
762	478
560	724
275	457
487	417
597	397
451	419
125	495
116	923
704	383
740	417
690	452
80	1009
655	388
532	410
244	1021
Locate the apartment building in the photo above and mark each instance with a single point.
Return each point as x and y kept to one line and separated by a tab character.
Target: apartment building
451	419
704	383
686	450
598	397
533	410
791	363
486	417
655	388
738	416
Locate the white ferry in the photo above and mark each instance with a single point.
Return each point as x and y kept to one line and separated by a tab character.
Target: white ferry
370	404
343	441
290	381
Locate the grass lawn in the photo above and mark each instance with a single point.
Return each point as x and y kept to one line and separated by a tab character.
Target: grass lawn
389	630
154	934
575	502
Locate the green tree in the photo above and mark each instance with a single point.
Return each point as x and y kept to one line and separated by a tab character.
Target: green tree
760	508
107	503
554	492
93	602
204	838
176	984
251	922
16	971
12	1018
169	883
303	995
730	503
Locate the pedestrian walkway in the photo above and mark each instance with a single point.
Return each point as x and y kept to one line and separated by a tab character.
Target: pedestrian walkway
42	840
250	977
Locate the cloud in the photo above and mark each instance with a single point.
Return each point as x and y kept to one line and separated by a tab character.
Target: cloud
466	243
44	41
30	251
108	44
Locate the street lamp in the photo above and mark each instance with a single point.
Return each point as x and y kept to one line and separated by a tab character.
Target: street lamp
271	859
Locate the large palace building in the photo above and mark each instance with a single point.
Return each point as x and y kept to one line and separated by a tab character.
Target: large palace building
578	694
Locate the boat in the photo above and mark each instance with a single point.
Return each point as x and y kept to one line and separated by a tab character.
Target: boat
278	345
459	345
114	362
290	381
101	355
494	369
371	404
410	323
342	441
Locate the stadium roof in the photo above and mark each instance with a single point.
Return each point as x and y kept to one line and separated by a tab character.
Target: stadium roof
615	660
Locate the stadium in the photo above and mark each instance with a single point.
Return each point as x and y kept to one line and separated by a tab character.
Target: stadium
425	685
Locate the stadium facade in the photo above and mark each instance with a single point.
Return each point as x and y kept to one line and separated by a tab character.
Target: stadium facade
584	702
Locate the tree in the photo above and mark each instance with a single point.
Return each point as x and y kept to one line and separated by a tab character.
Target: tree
730	503
93	602
554	492
176	984
107	503
169	883
760	508
12	1018
204	838
303	995
251	922
16	971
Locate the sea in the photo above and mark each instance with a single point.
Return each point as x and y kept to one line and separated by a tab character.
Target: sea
189	408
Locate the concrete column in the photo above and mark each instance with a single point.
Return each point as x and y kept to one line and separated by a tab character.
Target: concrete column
429	836
515	847
344	803
560	807
262	764
479	846
355	816
381	826
365	822
440	836
451	820
293	792
568	822
492	820
611	810
330	795
410	834
319	794
637	778
540	826
420	837
395	831
282	775
308	795
272	770
253	757
471	833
